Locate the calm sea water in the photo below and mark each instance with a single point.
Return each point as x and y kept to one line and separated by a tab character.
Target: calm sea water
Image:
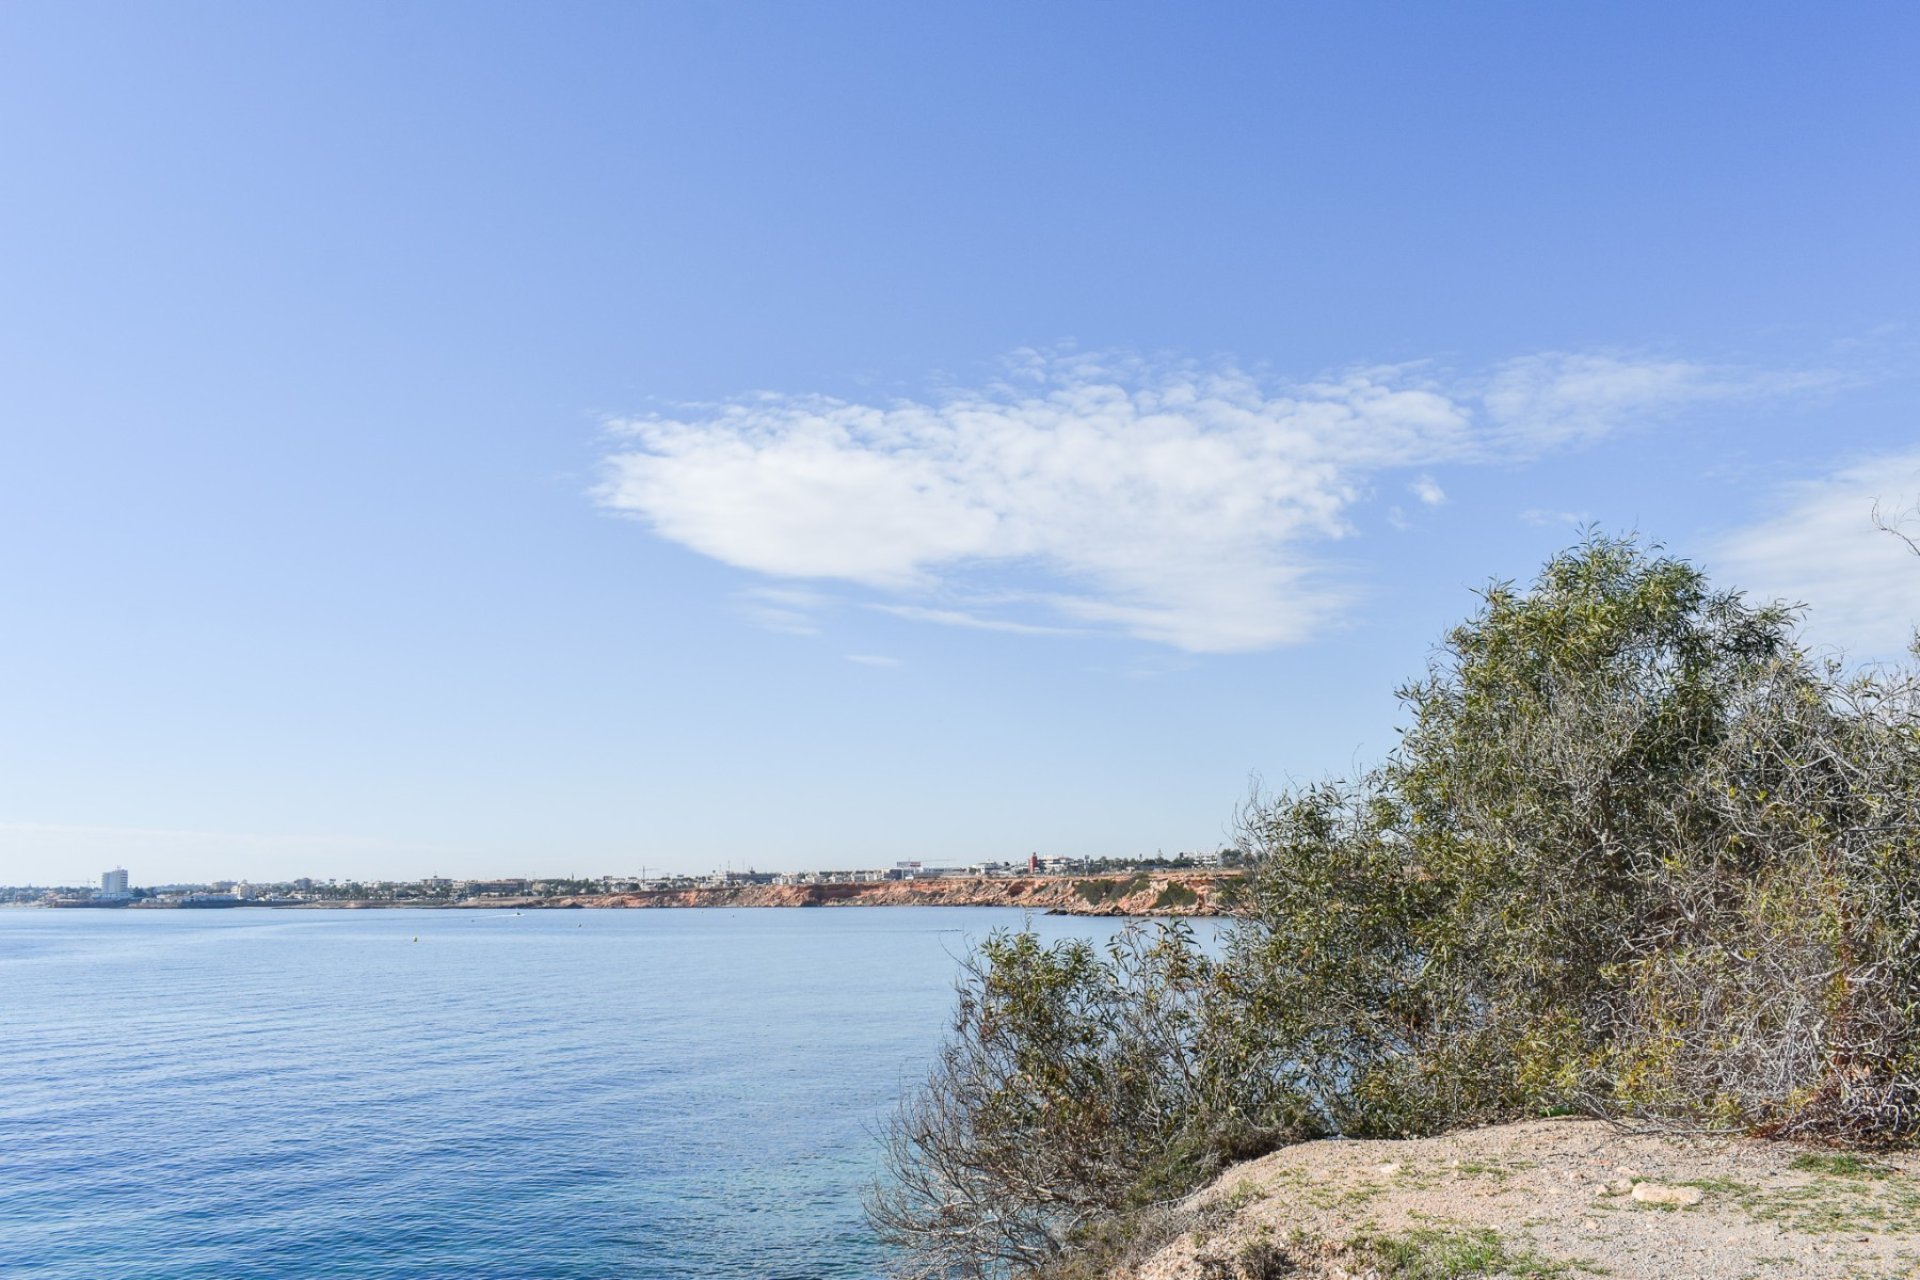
559	1094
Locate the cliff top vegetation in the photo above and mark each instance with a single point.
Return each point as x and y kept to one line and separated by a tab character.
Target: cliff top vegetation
1638	855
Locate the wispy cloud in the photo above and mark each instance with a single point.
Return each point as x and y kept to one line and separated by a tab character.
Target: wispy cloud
792	611
1557	398
971	621
1819	547
1193	505
1552	399
874	660
1540	517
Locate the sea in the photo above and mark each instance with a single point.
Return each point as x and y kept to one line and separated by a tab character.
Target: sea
539	1095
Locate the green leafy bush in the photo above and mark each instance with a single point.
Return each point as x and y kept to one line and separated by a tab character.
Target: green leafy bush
1075	1086
1175	895
1095	892
1636	853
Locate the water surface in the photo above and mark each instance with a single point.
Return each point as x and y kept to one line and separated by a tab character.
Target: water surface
555	1094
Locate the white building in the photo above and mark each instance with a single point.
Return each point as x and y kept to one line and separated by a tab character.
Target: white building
113	884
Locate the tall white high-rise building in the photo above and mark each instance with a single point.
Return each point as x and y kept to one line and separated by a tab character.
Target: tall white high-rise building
114	883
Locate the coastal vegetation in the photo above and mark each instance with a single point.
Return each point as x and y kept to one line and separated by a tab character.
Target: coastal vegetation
1639	854
1095	892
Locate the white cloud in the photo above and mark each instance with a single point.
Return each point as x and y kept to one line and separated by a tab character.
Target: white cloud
1190	505
1819	547
1428	491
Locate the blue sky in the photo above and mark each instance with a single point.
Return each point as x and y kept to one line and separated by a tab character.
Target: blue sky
570	438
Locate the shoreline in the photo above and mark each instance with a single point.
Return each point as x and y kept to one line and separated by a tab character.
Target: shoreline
1143	893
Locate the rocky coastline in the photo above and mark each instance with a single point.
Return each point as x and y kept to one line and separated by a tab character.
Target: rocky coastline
1143	893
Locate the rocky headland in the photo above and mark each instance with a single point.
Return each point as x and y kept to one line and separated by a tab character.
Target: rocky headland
1122	893
1145	893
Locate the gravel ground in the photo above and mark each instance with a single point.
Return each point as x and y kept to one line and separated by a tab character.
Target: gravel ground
1551	1198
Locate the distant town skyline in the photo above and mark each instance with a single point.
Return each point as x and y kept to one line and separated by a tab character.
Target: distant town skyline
515	441
118	889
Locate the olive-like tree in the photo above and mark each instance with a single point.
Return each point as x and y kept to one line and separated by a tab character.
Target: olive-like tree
1636	853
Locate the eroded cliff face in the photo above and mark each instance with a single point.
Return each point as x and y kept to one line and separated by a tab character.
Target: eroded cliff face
1146	893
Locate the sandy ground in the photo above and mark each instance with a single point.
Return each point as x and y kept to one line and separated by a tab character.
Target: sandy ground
1551	1198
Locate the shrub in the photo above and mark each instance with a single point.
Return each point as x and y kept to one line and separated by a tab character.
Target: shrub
1636	853
1175	895
1075	1087
1095	892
